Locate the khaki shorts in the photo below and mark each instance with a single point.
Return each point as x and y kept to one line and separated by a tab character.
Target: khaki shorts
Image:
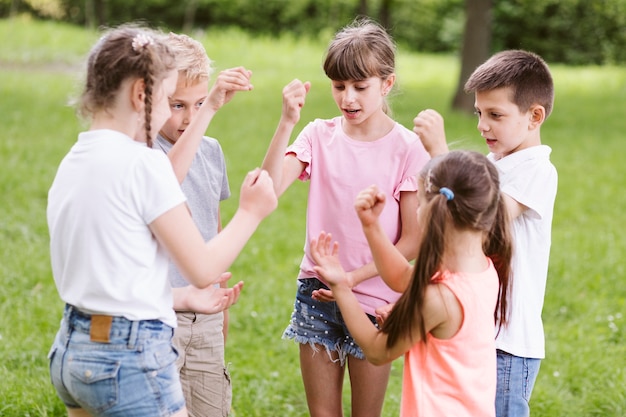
203	374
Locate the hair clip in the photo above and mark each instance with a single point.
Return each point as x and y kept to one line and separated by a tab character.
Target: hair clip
141	40
447	192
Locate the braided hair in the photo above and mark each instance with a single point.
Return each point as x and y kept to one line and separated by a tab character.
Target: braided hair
125	52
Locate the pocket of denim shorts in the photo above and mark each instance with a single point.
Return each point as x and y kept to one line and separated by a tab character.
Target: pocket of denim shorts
164	355
94	381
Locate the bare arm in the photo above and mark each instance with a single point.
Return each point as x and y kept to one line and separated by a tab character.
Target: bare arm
513	207
390	261
284	169
202	263
226	85
209	300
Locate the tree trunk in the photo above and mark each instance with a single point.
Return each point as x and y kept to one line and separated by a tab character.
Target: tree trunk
14	8
385	13
90	14
362	9
100	12
476	48
190	15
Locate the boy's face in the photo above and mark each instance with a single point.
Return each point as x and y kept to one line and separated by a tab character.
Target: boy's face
160	106
504	127
184	104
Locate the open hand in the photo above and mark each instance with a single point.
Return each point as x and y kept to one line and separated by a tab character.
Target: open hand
325	253
212	299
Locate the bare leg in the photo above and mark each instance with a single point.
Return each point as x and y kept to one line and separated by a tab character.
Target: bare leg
323	381
369	383
77	412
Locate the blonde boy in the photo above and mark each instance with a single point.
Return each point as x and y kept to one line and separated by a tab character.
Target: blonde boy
199	338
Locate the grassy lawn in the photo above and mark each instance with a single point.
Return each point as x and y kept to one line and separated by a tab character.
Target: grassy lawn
584	373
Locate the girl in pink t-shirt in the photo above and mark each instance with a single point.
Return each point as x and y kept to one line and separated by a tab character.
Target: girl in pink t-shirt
340	157
444	321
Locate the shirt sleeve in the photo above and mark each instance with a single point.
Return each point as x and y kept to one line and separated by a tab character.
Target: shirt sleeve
156	188
302	149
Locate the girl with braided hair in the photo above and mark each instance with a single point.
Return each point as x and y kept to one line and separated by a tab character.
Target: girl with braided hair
444	321
116	213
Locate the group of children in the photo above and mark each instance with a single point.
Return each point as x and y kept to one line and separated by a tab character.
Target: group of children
411	249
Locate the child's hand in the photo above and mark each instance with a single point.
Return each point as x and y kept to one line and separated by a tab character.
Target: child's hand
325	254
369	204
228	82
382	313
211	300
294	95
429	126
257	194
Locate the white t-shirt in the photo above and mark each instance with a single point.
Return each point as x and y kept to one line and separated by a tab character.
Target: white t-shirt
528	177
105	260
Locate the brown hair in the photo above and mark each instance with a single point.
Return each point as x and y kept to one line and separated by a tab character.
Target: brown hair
361	50
192	61
525	72
476	205
125	52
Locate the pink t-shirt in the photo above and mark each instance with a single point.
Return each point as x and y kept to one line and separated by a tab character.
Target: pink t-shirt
457	376
338	168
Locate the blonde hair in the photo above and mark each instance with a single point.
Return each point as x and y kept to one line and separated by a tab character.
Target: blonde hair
192	61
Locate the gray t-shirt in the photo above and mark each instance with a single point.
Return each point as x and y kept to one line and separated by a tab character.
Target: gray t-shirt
205	185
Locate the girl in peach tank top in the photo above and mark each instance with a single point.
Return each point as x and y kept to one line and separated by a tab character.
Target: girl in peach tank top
444	321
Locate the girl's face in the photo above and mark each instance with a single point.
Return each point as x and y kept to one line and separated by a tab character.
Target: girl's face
500	122
184	105
160	103
360	99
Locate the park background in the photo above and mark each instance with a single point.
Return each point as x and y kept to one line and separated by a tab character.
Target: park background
43	47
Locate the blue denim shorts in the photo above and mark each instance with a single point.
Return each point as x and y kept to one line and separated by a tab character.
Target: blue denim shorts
321	323
134	373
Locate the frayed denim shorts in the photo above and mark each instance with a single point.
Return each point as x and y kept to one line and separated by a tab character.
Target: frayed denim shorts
320	323
132	373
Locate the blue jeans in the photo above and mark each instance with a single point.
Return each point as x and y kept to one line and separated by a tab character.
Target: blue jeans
321	323
516	378
133	373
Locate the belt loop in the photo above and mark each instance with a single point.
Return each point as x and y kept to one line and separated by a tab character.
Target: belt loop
67	320
134	333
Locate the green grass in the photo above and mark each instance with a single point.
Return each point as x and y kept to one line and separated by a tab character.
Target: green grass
584	373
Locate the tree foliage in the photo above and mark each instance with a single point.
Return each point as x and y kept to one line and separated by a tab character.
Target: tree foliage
568	31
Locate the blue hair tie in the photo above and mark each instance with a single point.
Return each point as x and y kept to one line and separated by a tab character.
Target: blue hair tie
447	192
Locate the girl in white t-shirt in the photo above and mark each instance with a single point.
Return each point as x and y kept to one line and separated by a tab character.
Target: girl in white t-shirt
115	214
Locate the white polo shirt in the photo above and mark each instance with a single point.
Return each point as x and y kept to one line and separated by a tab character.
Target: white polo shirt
531	179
